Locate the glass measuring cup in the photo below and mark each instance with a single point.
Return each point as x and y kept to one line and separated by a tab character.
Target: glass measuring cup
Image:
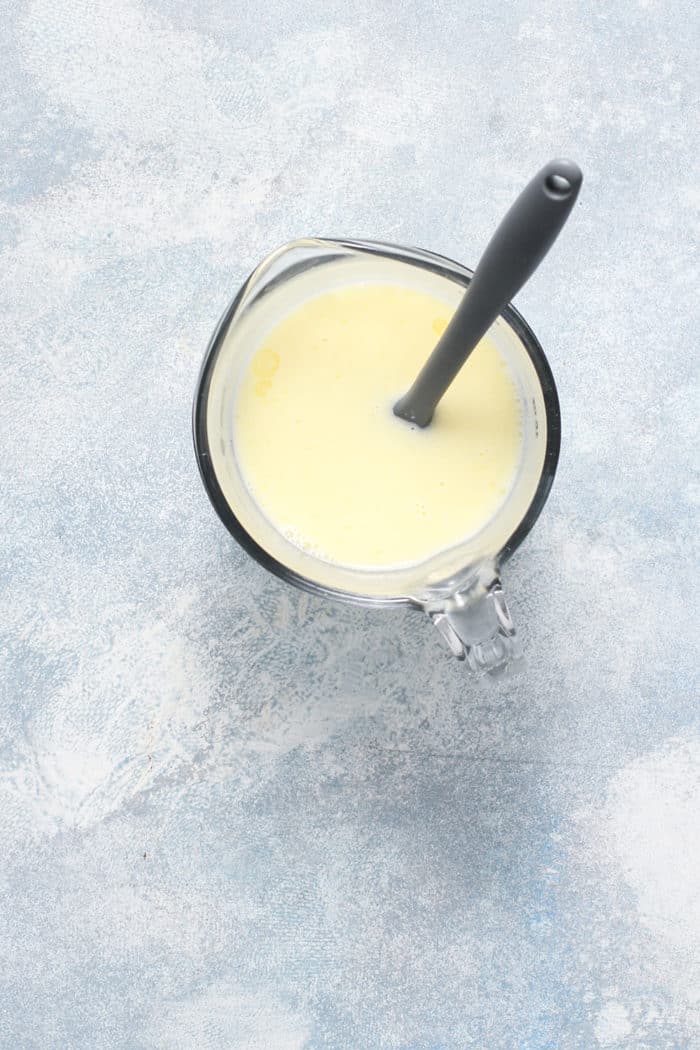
460	588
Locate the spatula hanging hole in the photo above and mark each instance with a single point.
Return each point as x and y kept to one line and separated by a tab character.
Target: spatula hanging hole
558	186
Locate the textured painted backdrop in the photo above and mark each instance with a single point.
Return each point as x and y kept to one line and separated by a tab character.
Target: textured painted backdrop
231	816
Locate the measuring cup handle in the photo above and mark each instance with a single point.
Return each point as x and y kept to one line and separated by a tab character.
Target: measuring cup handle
476	626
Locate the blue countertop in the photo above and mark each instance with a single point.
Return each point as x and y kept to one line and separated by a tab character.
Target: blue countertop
231	815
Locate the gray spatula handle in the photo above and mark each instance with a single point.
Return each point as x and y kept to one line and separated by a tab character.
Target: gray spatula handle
524	237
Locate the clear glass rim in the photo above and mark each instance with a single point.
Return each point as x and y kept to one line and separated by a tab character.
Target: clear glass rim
437	264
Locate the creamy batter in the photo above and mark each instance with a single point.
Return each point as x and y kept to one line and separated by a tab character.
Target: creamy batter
331	466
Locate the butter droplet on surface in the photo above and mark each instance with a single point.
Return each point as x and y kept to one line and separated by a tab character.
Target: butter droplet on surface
265	363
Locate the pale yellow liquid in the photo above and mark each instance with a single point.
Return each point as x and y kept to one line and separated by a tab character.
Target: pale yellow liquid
330	465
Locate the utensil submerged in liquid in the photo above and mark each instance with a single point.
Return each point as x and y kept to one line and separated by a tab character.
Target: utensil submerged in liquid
525	235
310	470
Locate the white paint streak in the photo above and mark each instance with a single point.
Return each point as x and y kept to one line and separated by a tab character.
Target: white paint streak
223	1015
128	714
613	1024
194	137
648	835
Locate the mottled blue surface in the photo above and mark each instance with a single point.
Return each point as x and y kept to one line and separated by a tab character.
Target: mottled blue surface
231	816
